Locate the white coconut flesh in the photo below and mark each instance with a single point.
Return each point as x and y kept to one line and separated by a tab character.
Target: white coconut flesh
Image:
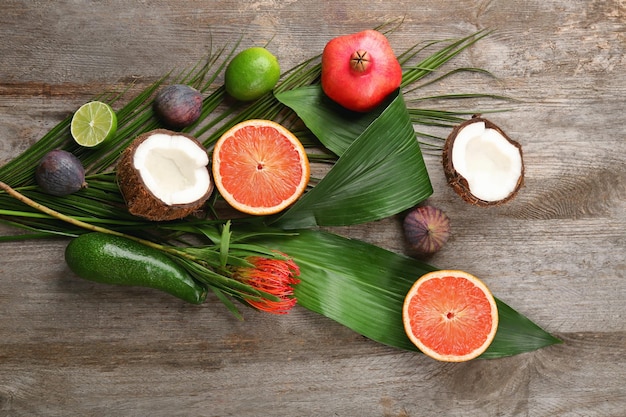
491	165
173	168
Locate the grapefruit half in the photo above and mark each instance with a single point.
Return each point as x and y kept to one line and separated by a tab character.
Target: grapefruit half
260	167
450	315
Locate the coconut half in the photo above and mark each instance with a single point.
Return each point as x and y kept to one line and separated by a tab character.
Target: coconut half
482	164
163	175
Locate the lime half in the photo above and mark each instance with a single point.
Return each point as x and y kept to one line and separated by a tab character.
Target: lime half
93	123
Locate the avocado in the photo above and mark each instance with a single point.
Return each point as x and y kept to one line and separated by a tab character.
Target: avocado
110	259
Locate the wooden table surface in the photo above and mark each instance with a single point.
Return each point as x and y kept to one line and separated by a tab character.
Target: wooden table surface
556	253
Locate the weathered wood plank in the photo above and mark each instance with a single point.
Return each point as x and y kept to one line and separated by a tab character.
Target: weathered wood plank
557	253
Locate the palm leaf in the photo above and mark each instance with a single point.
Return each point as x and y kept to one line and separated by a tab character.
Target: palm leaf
431	63
335	127
516	334
363	286
364	184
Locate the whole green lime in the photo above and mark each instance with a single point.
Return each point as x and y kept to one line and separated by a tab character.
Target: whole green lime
252	73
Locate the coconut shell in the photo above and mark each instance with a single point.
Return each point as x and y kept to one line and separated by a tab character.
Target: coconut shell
139	199
458	182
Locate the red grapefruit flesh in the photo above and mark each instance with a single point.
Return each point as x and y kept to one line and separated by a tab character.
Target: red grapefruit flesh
450	315
260	167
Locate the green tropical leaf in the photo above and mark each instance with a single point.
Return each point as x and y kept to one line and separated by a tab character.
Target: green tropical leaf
516	334
333	125
380	173
363	286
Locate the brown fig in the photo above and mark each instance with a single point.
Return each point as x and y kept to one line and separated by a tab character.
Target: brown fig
60	173
427	229
178	105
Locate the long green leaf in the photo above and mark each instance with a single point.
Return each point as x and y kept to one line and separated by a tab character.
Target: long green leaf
363	286
379	174
334	126
516	334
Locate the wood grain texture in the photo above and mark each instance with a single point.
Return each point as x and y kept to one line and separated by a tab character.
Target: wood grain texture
557	253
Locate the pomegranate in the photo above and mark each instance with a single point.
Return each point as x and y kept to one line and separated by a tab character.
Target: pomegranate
360	70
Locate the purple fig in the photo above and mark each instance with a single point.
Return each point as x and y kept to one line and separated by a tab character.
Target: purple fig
427	229
178	105
60	173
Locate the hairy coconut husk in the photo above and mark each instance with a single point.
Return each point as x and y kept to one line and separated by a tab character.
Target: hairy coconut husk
458	183
139	199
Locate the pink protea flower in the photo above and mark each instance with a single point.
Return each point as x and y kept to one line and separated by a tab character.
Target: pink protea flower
273	276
